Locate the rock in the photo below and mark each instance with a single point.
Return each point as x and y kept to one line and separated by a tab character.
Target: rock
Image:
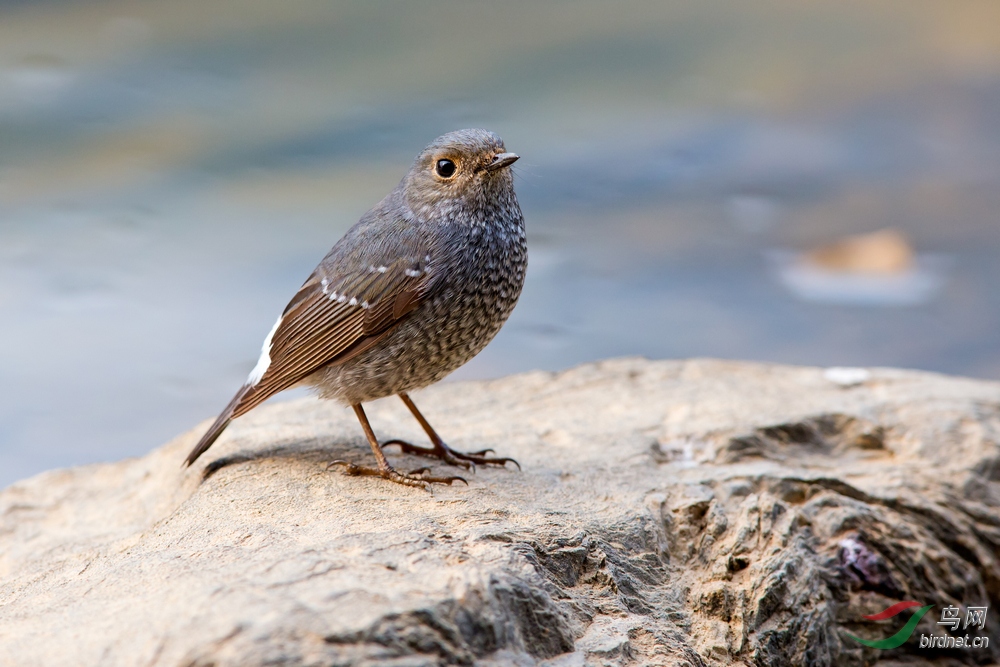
885	251
668	513
880	268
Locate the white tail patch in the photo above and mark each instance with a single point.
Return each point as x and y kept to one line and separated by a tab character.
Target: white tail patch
265	357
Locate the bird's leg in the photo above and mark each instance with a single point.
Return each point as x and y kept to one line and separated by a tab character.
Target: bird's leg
385	470
441	450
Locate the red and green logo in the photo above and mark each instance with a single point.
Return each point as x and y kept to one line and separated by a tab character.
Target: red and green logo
904	633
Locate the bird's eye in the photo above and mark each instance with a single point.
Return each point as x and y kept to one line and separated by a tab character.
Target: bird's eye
445	168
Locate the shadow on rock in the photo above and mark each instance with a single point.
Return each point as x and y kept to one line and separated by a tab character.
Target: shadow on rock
301	450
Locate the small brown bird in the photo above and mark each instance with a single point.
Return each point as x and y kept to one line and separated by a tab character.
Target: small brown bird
411	292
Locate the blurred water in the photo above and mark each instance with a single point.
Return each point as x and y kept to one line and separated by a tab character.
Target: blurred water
171	171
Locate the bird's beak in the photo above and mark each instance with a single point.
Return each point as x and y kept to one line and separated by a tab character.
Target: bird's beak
501	160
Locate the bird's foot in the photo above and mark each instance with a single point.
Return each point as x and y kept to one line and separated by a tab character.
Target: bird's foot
418	478
451	457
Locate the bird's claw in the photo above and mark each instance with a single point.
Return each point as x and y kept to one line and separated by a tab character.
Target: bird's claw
450	456
417	478
421	474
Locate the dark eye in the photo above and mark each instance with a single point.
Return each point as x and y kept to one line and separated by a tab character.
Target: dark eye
445	168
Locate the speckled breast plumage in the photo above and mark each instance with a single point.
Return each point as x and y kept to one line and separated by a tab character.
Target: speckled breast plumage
480	282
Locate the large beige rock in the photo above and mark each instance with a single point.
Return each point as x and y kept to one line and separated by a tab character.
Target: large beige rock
699	512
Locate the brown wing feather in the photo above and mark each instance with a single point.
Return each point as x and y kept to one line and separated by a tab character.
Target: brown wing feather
354	298
320	328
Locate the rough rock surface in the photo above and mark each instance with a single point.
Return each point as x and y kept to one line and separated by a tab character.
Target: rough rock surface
668	513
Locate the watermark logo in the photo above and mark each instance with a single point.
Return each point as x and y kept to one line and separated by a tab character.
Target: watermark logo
975	617
904	633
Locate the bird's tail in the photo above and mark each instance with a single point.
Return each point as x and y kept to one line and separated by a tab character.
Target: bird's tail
217	427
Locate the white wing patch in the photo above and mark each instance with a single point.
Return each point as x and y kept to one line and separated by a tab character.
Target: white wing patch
265	357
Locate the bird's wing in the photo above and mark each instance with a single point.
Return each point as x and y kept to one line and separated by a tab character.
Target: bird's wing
371	280
336	314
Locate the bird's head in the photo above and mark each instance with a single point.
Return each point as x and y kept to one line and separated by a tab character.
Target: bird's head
460	170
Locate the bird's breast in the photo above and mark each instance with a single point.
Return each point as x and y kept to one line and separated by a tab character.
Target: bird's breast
494	265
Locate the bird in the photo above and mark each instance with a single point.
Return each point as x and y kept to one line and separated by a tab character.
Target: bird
415	289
